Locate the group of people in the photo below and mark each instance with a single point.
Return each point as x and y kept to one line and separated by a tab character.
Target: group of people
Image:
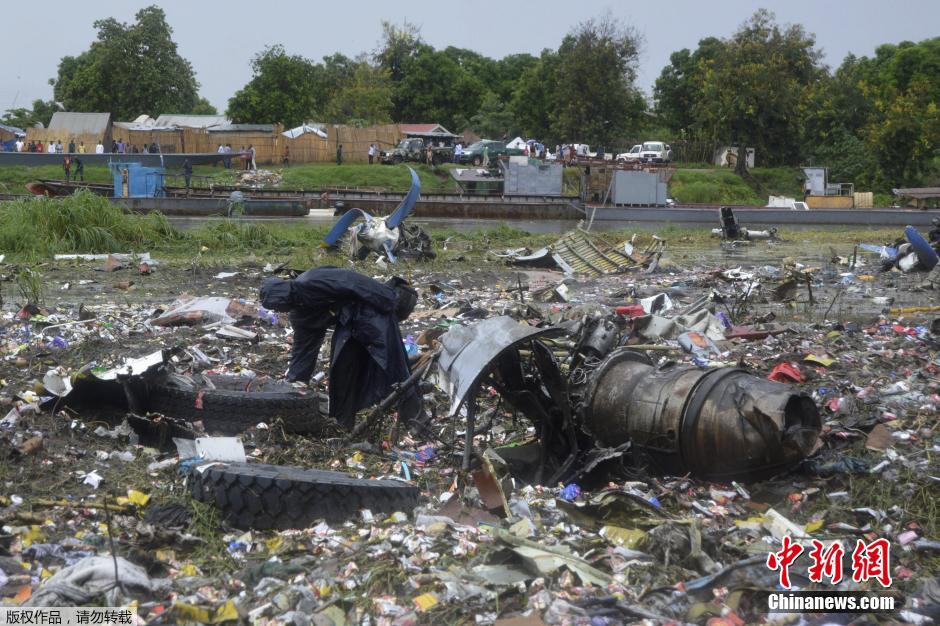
68	163
567	153
56	147
247	155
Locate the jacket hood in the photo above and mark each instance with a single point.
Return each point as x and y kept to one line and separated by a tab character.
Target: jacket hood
276	294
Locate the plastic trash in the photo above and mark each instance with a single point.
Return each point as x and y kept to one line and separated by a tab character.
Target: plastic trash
786	373
570	492
697	344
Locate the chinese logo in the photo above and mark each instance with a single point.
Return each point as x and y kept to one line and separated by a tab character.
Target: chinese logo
869	561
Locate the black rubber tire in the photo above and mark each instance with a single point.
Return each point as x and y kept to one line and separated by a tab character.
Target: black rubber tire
257	496
230	410
477	160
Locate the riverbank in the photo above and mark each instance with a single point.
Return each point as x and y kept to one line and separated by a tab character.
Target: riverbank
688	184
39	228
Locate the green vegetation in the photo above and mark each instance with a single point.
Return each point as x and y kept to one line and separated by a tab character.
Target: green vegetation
81	223
777	181
14	177
84	223
306	176
873	121
130	69
712	187
391	177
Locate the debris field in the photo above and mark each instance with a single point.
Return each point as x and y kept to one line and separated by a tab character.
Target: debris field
619	433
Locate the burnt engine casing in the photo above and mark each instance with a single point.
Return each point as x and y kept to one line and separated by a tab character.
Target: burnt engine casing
719	424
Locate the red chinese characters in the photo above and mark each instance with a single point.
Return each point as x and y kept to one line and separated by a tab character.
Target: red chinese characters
872	561
783	559
869	561
827	562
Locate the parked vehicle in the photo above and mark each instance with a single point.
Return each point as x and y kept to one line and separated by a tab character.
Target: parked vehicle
632	155
473	154
415	150
655	152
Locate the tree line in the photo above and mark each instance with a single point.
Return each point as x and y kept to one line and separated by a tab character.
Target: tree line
872	120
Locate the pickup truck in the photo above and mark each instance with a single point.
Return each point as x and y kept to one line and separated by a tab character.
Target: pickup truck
473	154
415	150
655	152
631	156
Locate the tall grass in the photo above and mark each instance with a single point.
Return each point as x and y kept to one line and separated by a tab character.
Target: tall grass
82	223
234	236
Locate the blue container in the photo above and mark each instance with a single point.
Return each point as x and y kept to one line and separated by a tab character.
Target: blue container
133	180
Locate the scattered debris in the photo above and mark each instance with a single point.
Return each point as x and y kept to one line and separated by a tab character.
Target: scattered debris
612	452
579	252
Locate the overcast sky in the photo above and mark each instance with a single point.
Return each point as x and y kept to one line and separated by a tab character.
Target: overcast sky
219	38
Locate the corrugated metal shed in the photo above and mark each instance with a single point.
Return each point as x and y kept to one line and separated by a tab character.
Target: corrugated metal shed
80	123
13	130
242	128
192	121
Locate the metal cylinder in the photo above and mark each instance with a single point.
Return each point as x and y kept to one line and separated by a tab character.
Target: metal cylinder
718	424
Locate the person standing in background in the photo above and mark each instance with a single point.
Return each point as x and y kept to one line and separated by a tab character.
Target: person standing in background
81	147
72	146
371	153
187	173
99	148
339	154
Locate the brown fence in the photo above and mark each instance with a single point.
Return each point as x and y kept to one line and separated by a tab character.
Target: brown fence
45	135
269	147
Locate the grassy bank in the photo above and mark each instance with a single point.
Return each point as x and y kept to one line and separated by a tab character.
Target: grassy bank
307	176
38	228
691	183
712	187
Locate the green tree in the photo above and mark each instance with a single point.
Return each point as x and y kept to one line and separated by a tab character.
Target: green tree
508	72
906	138
365	96
534	97
202	107
494	120
40	113
129	69
677	89
902	83
399	43
435	88
595	100
750	93
285	89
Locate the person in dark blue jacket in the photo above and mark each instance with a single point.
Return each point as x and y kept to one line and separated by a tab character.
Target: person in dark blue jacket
367	356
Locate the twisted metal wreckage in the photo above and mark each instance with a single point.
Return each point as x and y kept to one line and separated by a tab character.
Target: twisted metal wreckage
385	236
613	405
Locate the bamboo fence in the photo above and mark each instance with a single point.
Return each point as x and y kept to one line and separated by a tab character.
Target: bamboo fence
269	147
